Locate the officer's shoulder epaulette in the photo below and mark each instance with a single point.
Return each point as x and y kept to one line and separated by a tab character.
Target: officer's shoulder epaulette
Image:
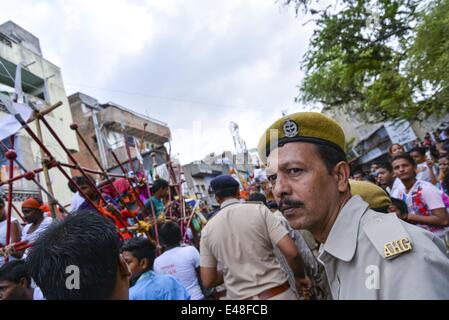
387	234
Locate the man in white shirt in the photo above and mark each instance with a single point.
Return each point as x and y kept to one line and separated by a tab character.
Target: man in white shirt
424	169
387	180
77	200
182	262
33	212
424	201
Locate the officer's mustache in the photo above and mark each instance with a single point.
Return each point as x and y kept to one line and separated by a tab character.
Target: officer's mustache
286	203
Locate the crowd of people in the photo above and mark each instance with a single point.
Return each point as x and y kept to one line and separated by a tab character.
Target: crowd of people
417	182
309	227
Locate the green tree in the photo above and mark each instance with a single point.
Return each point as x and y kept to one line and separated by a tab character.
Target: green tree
428	64
375	58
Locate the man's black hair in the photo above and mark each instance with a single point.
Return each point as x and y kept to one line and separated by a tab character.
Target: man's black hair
272	205
401	205
445	146
384	209
82	180
227	193
2	201
404	156
14	271
386	165
141	248
170	234
258	197
330	156
84	240
159	184
358	171
420	150
72	187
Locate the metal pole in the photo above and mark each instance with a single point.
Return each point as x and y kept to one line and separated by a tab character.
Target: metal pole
128	151
53	133
101	167
45	167
18	212
101	147
10	156
21	166
142	205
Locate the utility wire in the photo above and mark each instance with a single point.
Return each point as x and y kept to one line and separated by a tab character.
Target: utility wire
180	100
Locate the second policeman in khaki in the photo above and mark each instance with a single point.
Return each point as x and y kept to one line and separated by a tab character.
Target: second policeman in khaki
239	238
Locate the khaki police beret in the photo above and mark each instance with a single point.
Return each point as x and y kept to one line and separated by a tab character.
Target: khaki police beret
311	127
371	193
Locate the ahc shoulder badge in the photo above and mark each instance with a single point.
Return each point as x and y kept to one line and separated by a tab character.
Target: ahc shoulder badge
395	248
290	129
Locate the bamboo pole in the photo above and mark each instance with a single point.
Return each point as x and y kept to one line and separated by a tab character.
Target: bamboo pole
45	168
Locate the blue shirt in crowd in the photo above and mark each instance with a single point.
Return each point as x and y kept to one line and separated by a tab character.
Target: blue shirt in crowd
150	286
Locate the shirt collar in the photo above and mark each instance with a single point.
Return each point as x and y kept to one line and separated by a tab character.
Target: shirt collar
229	201
342	240
148	274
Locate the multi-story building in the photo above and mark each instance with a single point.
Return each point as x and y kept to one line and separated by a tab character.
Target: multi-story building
370	142
41	82
199	174
103	127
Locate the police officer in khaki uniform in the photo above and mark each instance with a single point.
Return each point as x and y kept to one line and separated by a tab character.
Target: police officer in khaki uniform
366	254
240	238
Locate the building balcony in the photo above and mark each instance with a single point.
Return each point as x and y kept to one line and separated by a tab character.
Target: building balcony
112	116
201	170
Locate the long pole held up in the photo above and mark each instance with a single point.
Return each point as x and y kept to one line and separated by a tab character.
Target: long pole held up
10	155
31	176
45	167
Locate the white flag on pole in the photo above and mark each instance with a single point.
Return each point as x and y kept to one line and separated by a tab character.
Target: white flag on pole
139	155
9	125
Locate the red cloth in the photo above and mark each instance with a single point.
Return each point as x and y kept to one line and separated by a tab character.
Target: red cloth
109	190
119	224
33	204
122	185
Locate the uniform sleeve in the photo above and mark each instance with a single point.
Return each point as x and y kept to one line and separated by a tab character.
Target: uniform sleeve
433	197
276	230
207	259
424	279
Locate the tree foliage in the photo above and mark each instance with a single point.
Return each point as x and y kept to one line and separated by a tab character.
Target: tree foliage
384	59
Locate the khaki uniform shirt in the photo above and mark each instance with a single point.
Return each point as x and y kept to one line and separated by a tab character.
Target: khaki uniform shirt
364	257
240	237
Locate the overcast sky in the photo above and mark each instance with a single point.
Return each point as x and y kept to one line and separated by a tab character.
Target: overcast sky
194	64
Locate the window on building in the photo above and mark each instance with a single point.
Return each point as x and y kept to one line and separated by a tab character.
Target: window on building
115	139
4	39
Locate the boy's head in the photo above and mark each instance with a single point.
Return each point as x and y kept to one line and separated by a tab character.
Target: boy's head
139	254
160	188
78	258
170	234
15	281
